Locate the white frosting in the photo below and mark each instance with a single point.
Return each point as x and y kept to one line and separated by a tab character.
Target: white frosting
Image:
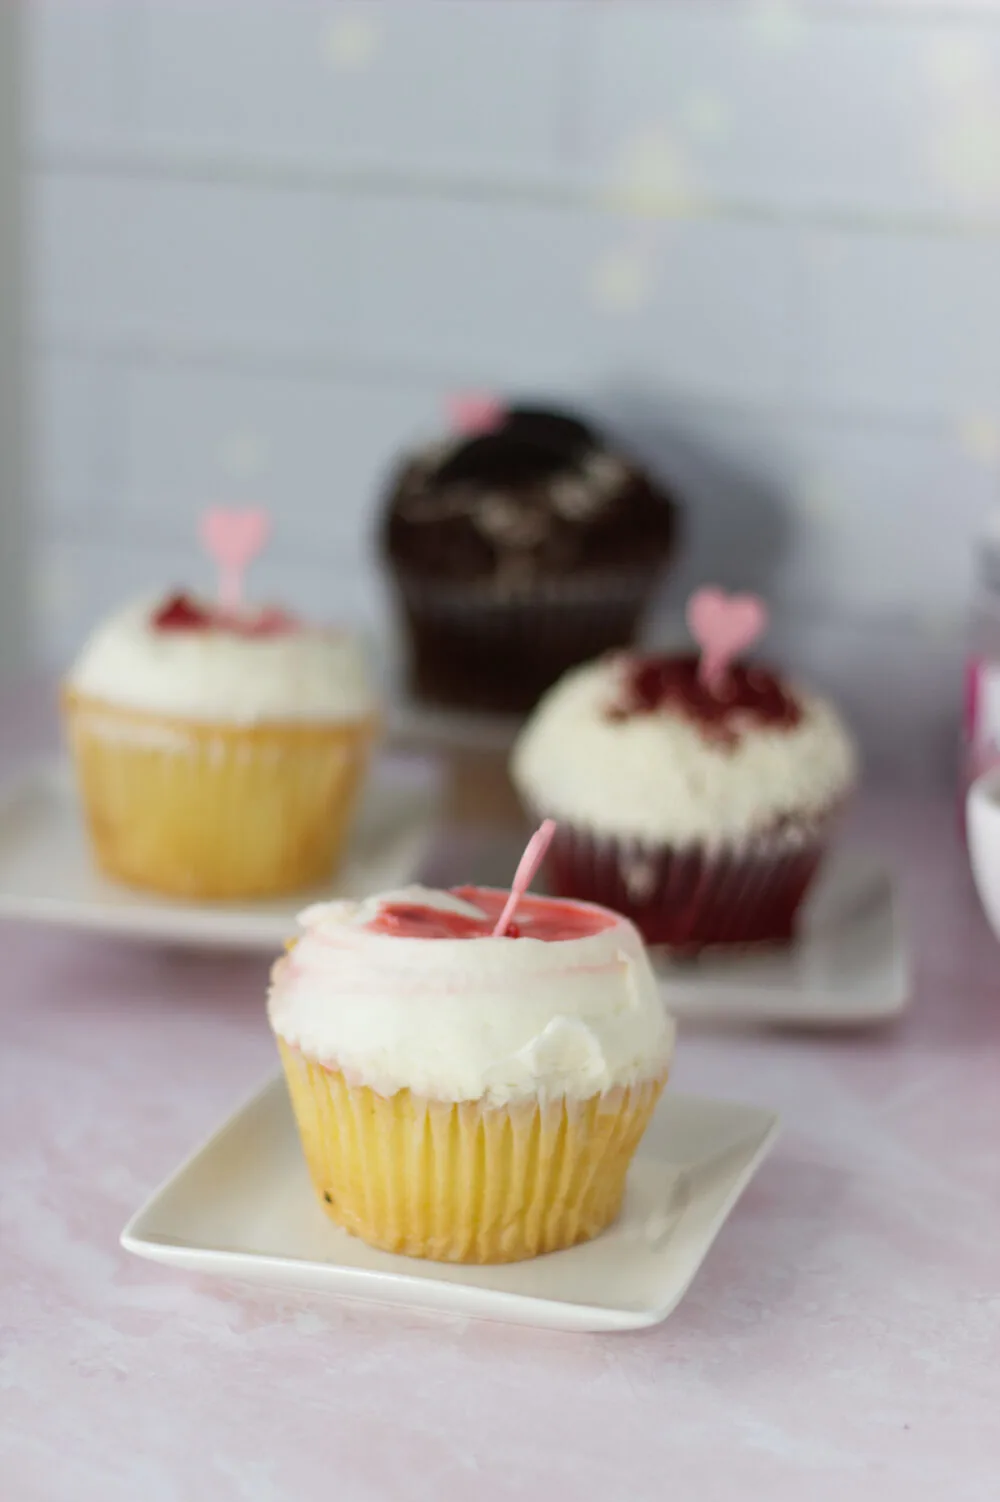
470	1019
310	674
658	777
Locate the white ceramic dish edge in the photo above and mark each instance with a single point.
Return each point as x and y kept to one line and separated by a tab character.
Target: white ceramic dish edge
426	1292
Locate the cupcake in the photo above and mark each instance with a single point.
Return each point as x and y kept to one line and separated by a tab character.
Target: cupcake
218	752
465	1097
519	552
699	808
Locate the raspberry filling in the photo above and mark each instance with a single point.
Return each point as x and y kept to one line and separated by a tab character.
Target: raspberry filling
181	613
542	918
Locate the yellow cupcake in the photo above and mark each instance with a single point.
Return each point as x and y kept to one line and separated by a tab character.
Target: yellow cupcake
465	1098
217	761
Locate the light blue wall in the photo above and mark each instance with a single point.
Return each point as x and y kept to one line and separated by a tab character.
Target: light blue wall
14	546
762	239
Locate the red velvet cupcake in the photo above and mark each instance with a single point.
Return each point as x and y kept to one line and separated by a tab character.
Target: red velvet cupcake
698	805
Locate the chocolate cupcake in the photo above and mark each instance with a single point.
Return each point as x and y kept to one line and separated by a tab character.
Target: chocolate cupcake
517	553
699	809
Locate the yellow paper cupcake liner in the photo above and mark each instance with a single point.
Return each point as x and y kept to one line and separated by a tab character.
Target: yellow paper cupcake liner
465	1182
214	811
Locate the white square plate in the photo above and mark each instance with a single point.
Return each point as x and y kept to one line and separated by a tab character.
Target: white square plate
848	966
243	1207
46	871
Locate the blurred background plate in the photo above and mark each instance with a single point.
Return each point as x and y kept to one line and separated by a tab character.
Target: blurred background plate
849	965
46	872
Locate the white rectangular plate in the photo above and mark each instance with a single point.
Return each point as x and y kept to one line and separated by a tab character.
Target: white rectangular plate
243	1208
848	965
47	874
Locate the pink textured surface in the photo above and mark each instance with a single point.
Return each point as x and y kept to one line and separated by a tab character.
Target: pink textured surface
842	1340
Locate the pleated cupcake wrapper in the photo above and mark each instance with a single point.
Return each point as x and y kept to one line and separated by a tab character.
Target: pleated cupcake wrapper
693	897
466	1181
614	587
214	812
478	648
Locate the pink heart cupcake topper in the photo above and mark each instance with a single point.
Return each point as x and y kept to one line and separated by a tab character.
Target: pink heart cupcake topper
527	868
474	412
233	539
723	626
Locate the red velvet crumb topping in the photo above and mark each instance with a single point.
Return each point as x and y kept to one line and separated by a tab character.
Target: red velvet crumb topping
181	613
749	694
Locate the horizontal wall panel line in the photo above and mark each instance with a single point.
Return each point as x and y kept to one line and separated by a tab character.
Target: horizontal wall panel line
565	190
161	352
916	13
906	12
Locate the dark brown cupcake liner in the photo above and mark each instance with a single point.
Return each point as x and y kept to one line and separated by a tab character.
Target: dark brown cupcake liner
475	648
694	897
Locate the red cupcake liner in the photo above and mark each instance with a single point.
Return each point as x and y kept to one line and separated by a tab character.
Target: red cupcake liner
692	898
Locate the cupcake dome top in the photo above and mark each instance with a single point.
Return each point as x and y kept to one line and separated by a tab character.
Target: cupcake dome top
434	1004
178	655
635	745
541	496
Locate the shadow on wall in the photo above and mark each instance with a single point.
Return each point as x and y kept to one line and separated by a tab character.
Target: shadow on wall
899	685
899	688
736	522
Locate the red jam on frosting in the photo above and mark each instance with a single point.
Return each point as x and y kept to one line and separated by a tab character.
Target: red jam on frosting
181	613
537	918
749	694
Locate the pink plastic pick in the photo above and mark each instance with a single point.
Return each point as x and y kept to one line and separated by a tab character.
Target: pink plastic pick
723	625
527	867
233	539
473	412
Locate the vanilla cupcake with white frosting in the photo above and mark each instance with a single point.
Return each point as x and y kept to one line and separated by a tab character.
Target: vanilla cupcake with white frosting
699	808
219	752
463	1096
